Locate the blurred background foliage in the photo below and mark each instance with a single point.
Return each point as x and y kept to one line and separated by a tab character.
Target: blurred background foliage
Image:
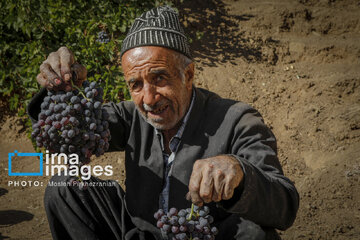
30	30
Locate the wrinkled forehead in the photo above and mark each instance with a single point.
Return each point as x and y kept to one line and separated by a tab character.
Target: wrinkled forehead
148	54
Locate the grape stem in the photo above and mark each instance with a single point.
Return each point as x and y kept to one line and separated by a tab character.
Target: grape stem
192	213
81	92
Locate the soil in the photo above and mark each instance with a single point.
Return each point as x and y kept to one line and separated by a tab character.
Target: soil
298	63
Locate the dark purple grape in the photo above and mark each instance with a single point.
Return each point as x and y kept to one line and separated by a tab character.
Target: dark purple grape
191	226
47	99
214	230
174	229
181	236
69	95
198	228
72	148
210	219
63	98
63	148
182	212
183	228
41	123
44	105
57	125
159	213
74	99
72	120
71	133
85	136
58	117
166	228
64	121
97	105
208	237
172	211
89	94
42	115
206	230
77	107
92	126
89	105
92	85
87	113
97	136
164	219
48	112
159	224
58	108
182	220
174	220
203	222
47	128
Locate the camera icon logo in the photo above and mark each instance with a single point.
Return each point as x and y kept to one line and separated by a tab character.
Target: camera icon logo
16	153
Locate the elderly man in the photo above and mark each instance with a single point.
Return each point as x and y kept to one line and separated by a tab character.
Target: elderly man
181	143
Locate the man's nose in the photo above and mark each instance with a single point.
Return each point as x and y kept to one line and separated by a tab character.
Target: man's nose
151	95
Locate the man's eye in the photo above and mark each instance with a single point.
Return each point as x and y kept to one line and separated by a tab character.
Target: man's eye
135	86
160	78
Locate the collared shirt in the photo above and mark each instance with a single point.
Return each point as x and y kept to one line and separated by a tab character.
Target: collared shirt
168	159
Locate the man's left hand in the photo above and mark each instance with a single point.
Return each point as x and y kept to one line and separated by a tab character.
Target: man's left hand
214	179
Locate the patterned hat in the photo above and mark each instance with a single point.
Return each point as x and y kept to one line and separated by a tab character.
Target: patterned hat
158	27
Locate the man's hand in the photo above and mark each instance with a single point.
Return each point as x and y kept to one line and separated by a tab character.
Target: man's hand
214	179
56	71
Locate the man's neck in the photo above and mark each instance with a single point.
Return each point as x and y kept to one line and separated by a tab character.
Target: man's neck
168	135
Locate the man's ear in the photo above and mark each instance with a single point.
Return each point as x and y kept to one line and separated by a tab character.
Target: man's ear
189	75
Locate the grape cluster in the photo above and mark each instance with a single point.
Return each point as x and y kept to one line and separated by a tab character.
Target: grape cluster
74	122
185	224
103	37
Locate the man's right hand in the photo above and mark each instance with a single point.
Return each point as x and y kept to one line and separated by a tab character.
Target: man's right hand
56	71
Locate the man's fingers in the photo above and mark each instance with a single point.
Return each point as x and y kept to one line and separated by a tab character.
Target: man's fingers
194	185
41	80
206	186
228	189
66	60
49	74
54	61
219	184
49	84
81	73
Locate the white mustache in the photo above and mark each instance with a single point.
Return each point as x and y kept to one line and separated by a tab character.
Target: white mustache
157	105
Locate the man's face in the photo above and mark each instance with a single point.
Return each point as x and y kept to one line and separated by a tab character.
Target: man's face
159	85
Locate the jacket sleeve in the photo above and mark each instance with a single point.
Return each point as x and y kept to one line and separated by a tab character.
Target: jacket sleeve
33	109
120	120
265	195
120	117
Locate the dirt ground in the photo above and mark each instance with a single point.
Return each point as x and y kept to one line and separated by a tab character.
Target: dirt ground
298	63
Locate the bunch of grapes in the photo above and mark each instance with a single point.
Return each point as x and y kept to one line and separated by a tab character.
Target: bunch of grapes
187	224
74	122
103	37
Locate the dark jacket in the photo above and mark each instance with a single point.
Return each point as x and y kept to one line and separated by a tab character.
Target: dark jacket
216	126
